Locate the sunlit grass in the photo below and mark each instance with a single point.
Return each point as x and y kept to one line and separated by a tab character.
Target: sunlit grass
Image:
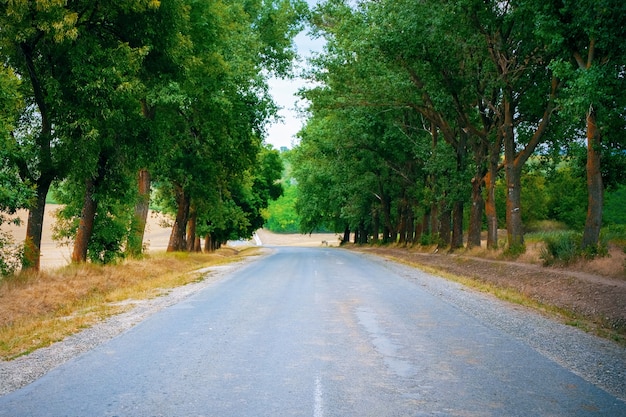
37	310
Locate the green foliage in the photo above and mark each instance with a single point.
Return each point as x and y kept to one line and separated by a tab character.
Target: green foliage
426	239
563	248
615	206
567	197
177	89
10	254
534	197
615	233
280	215
115	202
515	250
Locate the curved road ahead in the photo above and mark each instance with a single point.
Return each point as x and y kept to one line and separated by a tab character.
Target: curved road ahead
322	332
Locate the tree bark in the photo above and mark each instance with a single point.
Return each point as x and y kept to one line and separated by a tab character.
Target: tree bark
388	229
375	226
191	229
444	227
434	222
514	228
476	212
410	226
177	237
85	227
208	243
595	188
140	216
34	228
48	171
402	224
425	224
419	229
346	235
457	226
490	210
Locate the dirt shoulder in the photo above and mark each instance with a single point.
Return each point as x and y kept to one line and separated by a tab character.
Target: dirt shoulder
594	301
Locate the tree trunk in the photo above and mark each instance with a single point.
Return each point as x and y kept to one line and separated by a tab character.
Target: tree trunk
595	188
425	224
476	212
445	219
375	226
419	229
34	228
208	243
514	228
386	208
410	227
490	206
346	235
362	233
140	217
457	226
48	171
177	237
191	229
402	224
434	222
85	227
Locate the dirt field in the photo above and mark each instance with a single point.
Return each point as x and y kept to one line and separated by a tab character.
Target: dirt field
53	255
156	238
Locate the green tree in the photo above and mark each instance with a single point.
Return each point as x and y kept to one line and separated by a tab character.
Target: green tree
14	193
233	48
567	194
280	215
45	42
590	39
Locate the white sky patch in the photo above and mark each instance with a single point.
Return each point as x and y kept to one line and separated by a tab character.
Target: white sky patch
282	133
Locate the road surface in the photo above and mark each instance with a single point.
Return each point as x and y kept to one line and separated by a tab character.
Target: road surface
317	332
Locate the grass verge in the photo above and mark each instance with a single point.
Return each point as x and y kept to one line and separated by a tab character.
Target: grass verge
39	309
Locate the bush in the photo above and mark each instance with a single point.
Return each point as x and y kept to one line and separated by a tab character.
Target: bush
615	233
426	239
10	255
562	247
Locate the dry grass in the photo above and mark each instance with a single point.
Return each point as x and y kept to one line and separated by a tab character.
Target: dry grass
39	309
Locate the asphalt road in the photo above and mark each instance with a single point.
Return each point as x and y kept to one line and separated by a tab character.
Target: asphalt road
314	332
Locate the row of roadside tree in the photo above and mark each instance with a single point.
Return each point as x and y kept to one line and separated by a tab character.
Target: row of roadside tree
420	107
115	104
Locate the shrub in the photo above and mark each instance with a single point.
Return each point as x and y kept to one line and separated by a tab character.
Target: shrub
10	255
426	239
562	247
514	251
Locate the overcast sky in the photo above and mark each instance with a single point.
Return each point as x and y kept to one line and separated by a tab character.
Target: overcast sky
283	133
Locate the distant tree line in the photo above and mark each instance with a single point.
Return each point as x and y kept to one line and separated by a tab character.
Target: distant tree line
116	104
422	110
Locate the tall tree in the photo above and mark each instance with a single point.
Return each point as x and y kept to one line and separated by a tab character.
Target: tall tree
590	37
232	48
37	40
